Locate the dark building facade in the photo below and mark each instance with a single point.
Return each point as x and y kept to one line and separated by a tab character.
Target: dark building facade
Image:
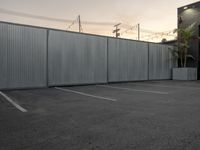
188	15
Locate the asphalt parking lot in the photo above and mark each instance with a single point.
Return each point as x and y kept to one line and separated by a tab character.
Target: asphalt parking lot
152	115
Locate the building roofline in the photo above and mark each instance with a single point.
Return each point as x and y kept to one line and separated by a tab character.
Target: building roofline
191	4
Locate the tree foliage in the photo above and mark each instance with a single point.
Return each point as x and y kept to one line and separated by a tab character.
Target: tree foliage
180	51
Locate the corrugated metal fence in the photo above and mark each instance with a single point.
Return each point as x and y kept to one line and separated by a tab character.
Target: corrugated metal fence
40	57
127	60
76	59
23	53
160	62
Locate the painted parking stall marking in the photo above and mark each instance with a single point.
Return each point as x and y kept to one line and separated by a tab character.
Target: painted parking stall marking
86	94
20	108
135	90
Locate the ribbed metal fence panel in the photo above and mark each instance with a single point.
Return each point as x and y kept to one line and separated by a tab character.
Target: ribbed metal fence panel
127	60
160	62
3	56
76	58
22	56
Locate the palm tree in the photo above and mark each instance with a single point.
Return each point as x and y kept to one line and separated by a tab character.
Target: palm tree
185	35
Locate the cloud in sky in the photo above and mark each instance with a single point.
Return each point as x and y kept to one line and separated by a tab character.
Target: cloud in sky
158	15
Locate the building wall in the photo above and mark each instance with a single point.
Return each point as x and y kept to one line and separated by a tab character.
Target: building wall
189	16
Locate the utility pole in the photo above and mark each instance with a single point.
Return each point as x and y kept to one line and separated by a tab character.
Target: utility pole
79	22
138	31
117	29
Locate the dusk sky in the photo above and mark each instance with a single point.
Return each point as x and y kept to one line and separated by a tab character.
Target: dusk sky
156	15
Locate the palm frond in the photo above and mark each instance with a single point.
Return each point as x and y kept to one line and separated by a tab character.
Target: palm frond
181	48
190	56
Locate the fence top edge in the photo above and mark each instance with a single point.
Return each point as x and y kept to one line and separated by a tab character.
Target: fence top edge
89	34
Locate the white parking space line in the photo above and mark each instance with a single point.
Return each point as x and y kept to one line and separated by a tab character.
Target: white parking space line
135	90
86	94
166	86
13	103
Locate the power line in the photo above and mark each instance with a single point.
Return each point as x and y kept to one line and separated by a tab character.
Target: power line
27	15
149	34
129	29
71	24
22	14
99	23
159	35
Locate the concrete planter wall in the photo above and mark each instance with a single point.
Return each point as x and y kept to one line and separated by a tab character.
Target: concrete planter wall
184	74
